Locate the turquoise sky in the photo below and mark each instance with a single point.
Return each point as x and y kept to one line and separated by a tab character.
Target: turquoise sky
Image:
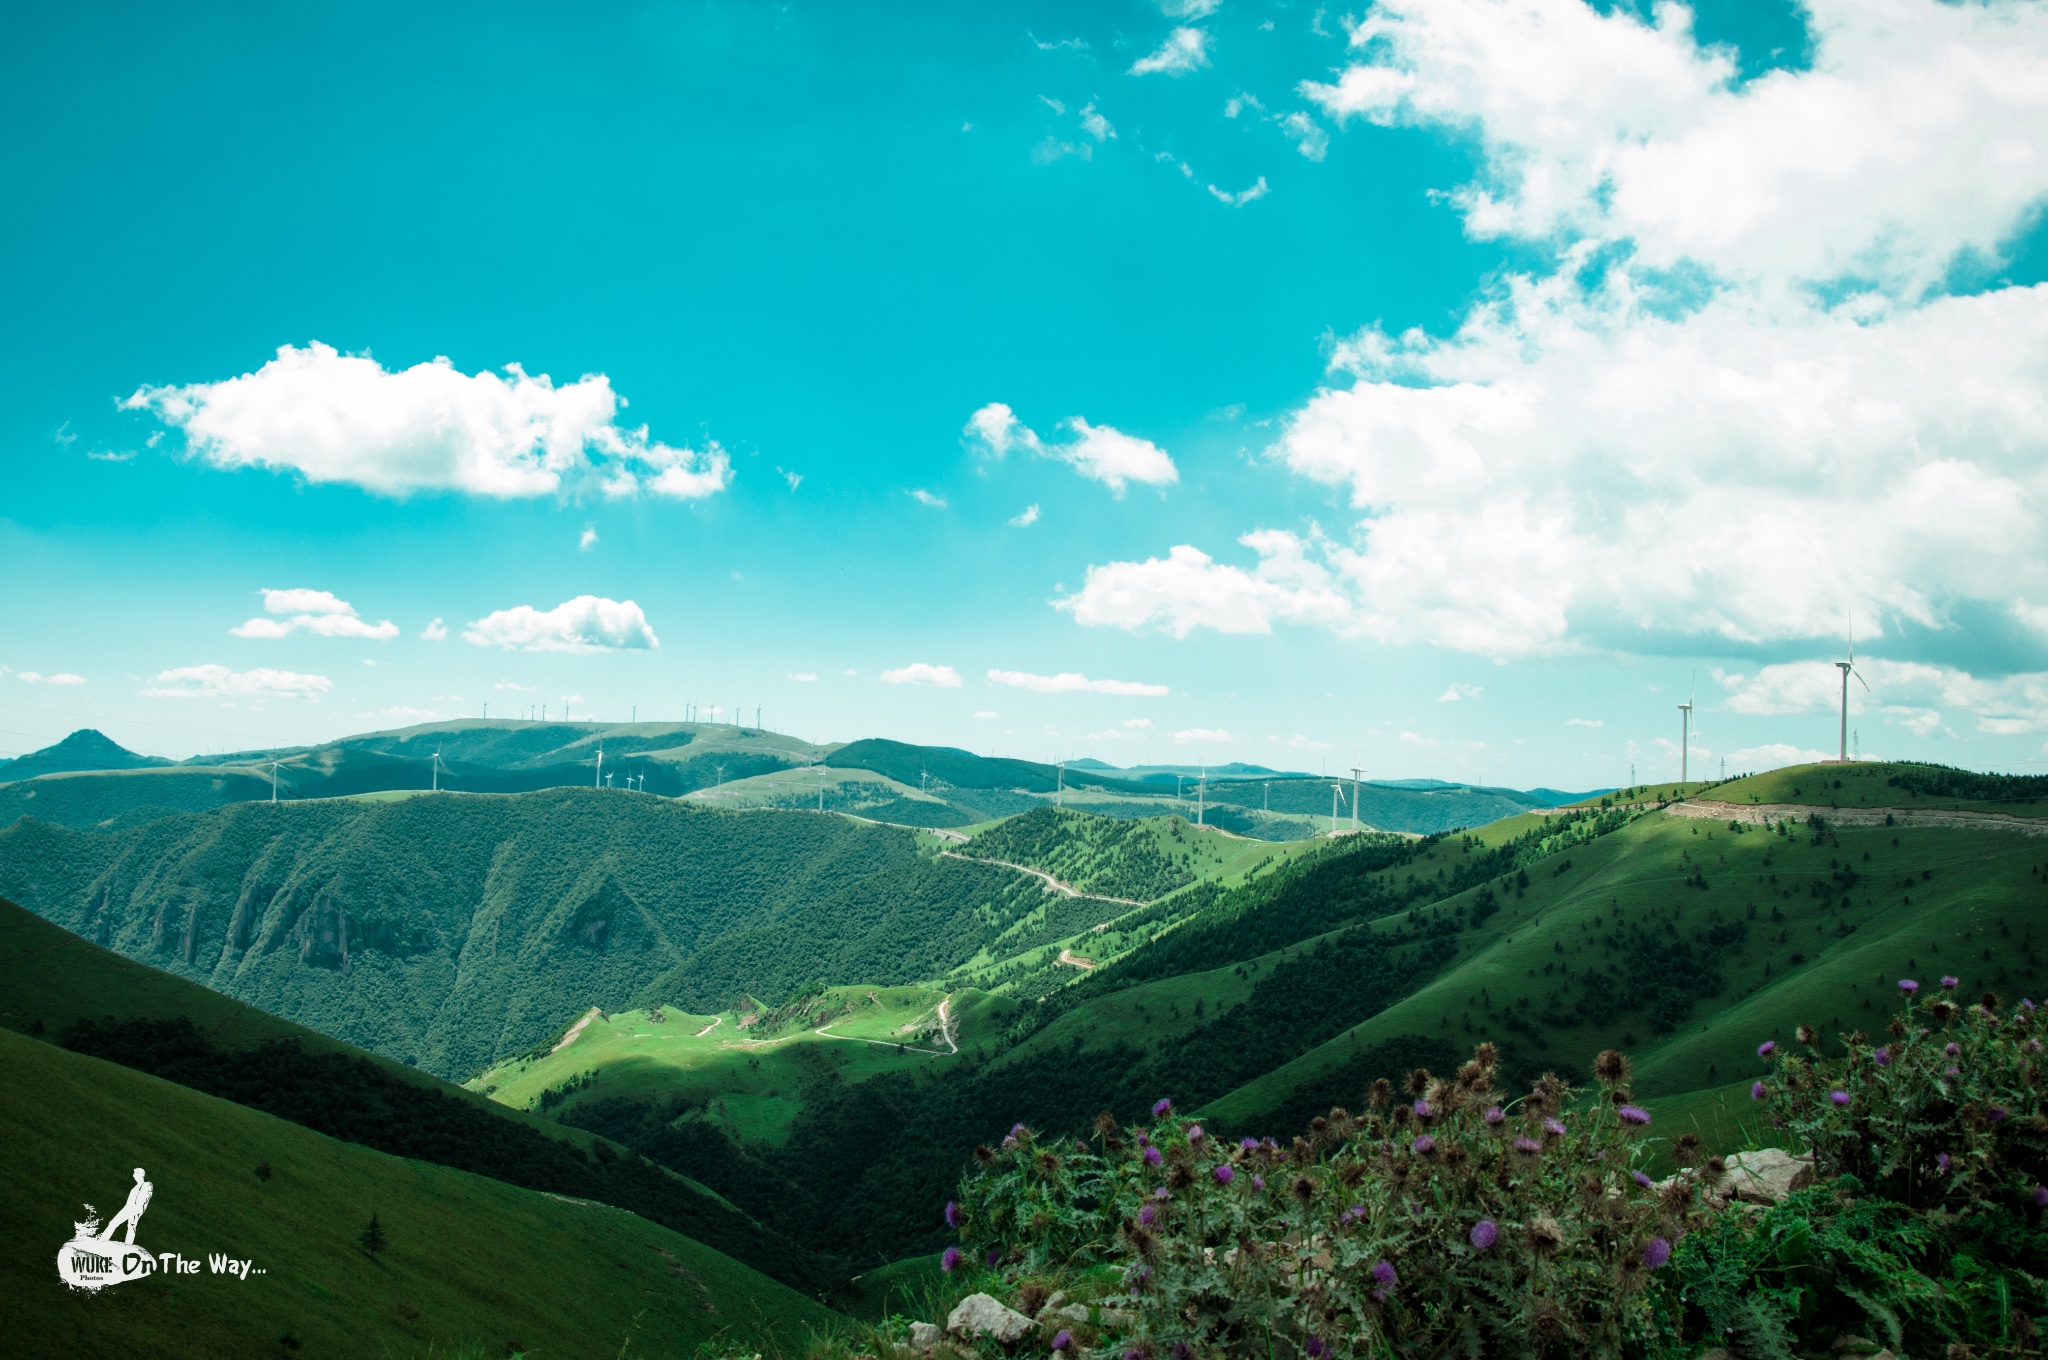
1443	390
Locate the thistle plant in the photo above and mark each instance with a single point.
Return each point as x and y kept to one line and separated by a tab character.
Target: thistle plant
1456	1220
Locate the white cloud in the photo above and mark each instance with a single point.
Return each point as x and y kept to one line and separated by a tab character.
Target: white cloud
313	611
1099	452
522	689
588	623
588	539
1415	739
218	682
1309	136
927	499
795	479
1193	735
60	678
987	713
1242	196
1095	125
1028	518
1072	682
1458	691
1137	722
803	677
1188	590
1300	743
1189	9
1185	50
919	673
1585	722
437	631
345	418
1735	338
1777	755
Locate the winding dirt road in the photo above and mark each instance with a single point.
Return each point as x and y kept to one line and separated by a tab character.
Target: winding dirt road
1051	884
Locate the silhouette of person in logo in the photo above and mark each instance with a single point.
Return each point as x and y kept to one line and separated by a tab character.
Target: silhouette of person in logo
131	1212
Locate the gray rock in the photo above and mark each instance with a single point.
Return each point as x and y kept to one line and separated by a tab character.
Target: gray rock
1766	1175
982	1315
1073	1312
925	1335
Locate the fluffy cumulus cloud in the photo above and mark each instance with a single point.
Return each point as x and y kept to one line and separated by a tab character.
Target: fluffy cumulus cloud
1187	589
1744	394
334	417
1184	50
921	673
1195	736
1916	696
231	686
1098	452
60	678
1072	682
311	611
588	623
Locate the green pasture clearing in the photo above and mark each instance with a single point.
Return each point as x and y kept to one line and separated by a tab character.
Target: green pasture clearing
1861	784
471	1262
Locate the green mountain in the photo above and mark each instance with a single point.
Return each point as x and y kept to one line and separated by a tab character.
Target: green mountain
85	749
470	1261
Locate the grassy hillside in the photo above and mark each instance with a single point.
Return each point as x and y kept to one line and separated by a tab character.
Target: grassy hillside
1892	784
85	749
471	1262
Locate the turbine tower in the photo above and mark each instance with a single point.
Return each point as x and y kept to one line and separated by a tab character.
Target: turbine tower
1685	739
1357	773
1202	795
1336	801
1848	668
273	779
598	781
437	772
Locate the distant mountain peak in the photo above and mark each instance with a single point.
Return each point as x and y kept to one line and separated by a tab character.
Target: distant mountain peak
86	749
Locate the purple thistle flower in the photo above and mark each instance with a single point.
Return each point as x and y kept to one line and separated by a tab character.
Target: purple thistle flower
1766	1048
1313	1348
1133	1353
1951	1071
1484	1234
1383	1274
1152	1157
1756	1090
1062	1339
1554	1127
1161	1106
953	1214
1941	1161
2025	1004
1148	1215
1656	1252
2041	1197
1494	1116
1999	1113
1908	986
1182	1351
1949	984
950	1260
1195	1134
1018	1131
1882	1057
1528	1146
1160	1192
1248	1144
1633	1114
1424	1110
1954	1050
1258	1182
1642	1180
1839	1097
1225	1174
995	1254
1424	1145
1376	1295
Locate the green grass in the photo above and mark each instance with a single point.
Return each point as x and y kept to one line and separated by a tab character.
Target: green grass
1828	960
1862	784
471	1261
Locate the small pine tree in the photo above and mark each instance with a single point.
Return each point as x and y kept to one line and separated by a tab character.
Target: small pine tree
373	1239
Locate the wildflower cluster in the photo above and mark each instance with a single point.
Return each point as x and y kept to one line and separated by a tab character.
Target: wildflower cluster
1453	1220
1944	1111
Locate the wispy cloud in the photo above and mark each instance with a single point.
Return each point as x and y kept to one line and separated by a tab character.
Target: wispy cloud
803	677
927	499
588	623
1073	682
218	682
437	631
1459	691
311	611
1195	735
1185	50
60	678
1242	196
588	539
1028	518
1100	453
1584	722
921	673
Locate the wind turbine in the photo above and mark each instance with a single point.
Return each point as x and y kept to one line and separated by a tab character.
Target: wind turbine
597	781
1336	801
437	772
1202	795
273	789
1357	773
1848	668
1685	738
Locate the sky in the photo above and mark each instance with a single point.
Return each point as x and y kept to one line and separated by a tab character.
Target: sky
1446	388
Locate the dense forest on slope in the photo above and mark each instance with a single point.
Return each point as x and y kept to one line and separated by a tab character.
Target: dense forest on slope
451	931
